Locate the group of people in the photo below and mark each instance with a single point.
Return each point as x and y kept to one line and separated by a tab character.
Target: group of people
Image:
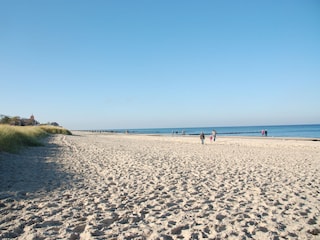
212	136
264	132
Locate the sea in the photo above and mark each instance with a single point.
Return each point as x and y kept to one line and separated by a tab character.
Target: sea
290	131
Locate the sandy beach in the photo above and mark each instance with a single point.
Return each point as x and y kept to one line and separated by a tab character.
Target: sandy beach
117	186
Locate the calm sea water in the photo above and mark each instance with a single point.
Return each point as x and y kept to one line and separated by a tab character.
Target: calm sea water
303	131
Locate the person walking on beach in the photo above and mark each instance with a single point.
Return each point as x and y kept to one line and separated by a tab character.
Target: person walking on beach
214	135
202	137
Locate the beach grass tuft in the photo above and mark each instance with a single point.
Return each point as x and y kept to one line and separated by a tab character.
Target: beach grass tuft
13	138
55	130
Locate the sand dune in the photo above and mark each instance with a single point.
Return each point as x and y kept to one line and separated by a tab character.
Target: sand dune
114	186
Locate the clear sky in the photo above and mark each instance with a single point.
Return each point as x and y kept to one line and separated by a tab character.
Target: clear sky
141	64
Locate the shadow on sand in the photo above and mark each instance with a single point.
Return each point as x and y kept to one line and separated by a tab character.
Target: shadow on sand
33	170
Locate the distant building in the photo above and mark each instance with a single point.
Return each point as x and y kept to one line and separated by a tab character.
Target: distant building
32	118
17	121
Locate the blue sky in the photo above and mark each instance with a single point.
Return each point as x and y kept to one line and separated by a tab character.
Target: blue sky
141	64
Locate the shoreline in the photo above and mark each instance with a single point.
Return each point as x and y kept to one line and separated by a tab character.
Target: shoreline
195	135
123	186
295	130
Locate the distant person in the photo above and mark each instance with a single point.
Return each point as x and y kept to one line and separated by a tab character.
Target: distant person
262	132
214	135
202	137
266	133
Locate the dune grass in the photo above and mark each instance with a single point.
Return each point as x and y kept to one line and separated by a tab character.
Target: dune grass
55	130
13	138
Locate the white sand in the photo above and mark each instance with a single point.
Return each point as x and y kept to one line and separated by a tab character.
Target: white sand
103	186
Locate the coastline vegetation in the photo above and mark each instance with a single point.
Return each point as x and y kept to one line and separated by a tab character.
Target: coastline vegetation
55	129
13	138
